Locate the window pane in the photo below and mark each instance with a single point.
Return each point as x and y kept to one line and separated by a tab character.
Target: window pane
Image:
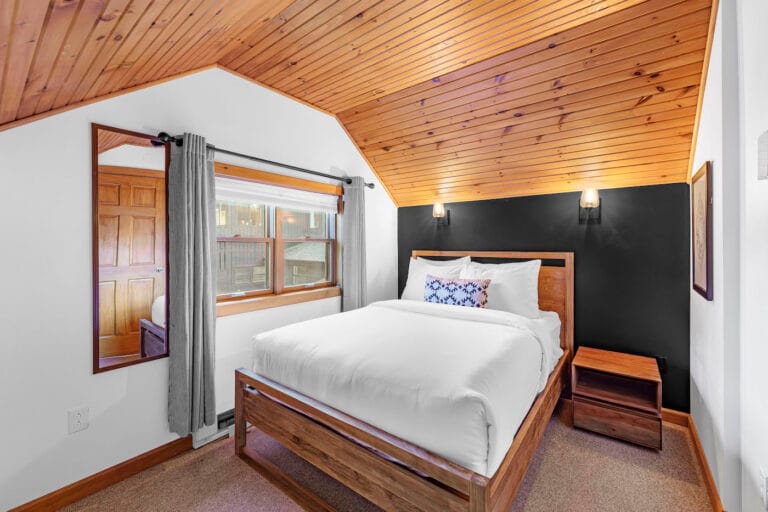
242	267
307	263
240	219
305	224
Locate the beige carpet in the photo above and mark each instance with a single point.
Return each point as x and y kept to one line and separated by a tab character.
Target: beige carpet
573	470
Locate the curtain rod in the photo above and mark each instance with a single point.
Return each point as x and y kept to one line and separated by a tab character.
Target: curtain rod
165	137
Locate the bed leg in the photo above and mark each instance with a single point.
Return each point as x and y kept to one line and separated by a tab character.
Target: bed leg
239	415
478	494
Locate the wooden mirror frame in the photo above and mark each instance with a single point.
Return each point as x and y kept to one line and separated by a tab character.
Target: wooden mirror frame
95	244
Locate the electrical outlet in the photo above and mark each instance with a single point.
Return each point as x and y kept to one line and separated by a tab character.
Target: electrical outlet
78	419
764	487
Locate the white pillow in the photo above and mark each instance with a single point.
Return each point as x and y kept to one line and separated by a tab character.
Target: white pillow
420	267
514	286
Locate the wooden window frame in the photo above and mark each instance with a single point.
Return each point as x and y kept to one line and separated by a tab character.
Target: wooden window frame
279	295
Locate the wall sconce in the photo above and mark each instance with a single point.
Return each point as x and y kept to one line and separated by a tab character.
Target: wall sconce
441	215
589	207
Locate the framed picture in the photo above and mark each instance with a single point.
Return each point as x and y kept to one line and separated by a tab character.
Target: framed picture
701	220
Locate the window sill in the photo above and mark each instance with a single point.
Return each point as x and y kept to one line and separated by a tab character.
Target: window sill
273	301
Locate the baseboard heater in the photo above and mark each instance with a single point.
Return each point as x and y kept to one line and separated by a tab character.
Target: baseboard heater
224	427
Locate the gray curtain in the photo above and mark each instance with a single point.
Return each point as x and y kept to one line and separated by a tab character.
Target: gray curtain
192	298
353	240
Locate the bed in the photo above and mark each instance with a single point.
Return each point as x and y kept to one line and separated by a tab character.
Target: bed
152	336
388	458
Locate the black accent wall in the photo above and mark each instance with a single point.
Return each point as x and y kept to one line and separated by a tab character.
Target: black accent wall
632	269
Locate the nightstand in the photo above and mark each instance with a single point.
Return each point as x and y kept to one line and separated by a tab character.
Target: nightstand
618	395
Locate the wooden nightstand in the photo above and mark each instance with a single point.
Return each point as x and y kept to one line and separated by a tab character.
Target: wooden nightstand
618	395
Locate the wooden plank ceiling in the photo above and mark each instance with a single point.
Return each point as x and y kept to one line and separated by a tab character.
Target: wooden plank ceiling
449	100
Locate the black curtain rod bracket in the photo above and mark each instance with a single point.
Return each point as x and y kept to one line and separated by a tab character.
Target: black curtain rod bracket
167	138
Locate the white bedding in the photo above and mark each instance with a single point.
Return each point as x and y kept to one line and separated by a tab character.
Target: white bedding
456	381
158	311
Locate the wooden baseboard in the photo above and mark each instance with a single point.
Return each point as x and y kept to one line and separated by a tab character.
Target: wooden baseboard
103	479
676	417
683	419
708	478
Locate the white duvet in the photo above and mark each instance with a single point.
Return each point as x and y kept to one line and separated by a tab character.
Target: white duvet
456	381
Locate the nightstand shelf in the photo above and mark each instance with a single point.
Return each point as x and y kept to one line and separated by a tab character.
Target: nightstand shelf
618	395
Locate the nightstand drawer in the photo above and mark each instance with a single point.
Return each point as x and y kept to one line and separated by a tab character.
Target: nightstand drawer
614	421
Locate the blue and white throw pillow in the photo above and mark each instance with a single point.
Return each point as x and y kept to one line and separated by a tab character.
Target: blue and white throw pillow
471	293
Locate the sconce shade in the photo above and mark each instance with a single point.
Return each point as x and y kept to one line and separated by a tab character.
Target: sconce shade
438	211
590	198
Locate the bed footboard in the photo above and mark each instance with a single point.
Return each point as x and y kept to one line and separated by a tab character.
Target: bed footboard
390	472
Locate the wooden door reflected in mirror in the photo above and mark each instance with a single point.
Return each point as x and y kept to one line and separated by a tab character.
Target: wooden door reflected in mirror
129	253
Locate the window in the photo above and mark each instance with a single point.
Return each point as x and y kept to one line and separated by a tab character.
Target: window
272	240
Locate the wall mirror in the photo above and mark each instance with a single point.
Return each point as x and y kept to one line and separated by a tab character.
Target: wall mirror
130	262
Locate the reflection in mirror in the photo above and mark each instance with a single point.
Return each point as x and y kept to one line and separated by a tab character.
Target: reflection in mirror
130	258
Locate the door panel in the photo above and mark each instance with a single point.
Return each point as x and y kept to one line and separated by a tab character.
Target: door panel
141	293
143	241
108	237
107	308
131	256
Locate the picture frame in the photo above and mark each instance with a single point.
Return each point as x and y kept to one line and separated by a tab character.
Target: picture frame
701	230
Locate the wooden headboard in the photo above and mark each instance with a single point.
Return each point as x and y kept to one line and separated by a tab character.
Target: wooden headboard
555	282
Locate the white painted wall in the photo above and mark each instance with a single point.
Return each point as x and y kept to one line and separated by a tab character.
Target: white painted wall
45	219
134	156
729	380
753	44
715	393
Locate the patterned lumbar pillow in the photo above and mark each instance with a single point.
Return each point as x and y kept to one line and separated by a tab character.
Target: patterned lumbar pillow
471	293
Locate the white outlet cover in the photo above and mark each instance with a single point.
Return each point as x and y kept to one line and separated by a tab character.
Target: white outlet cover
77	419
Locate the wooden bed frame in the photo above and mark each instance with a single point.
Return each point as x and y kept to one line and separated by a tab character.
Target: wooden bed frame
390	472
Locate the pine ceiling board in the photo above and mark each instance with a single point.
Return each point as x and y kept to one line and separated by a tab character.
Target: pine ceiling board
120	59
411	39
674	98
148	43
153	40
376	24
219	15
481	172
214	46
549	120
667	172
553	186
657	56
25	33
561	59
336	19
293	28
404	171
89	54
550	108
6	19
206	15
388	28
357	30
513	110
239	49
330	34
442	57
585	169
468	139
57	26
110	140
111	44
86	20
175	30
604	28
622	133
